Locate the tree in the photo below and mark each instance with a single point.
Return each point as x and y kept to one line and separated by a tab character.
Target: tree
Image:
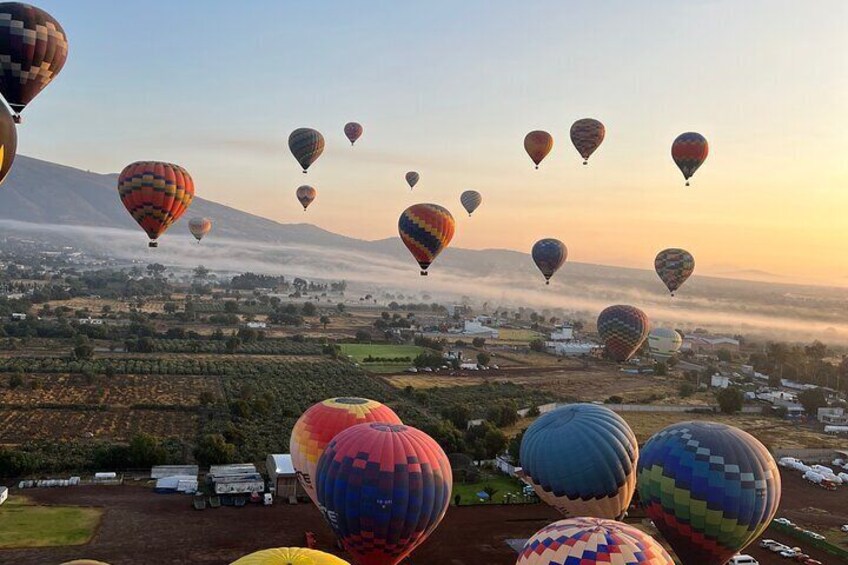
169	307
201	272
233	343
686	389
478	342
309	309
231	307
812	399
483	358
213	449
660	369
156	269
458	415
324	321
724	355
83	351
774	380
816	350
730	400
340	308
16	380
537	345
145	451
362	335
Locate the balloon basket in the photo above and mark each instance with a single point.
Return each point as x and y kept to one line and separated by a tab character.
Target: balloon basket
156	244
17	118
423	273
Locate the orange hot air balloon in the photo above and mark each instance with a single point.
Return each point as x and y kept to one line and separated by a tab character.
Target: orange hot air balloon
538	144
199	227
306	194
156	194
426	229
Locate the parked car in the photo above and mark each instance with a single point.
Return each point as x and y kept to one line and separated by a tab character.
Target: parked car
844	528
742	560
788	553
767	543
784	521
778	547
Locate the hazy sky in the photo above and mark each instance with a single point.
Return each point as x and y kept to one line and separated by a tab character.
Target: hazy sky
450	88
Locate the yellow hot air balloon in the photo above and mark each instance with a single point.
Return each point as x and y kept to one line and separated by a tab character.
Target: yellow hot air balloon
289	556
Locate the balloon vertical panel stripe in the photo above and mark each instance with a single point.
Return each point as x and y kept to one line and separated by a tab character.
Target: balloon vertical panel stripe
306	145
689	152
623	329
426	229
156	194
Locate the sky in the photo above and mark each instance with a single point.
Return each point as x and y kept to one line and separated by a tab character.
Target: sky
449	89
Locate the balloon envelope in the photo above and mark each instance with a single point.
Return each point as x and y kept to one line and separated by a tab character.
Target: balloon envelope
581	459
710	489
306	144
664	342
199	227
426	229
583	541
412	179
33	50
587	135
549	255
689	152
321	423
353	131
305	195
470	200
156	194
623	329
289	556
538	144
383	489
674	266
8	142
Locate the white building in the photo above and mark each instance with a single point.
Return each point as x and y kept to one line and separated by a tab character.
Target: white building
719	381
19	316
257	325
832	415
282	477
473	328
4	494
564	332
570	348
90	321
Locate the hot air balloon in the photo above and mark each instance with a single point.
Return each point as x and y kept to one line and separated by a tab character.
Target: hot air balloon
306	144
711	489
383	488
538	144
353	131
321	423
156	194
587	135
84	562
33	49
581	459
623	329
581	541
470	200
306	194
674	266
664	342
199	227
412	179
426	229
689	152
289	556
549	255
8	142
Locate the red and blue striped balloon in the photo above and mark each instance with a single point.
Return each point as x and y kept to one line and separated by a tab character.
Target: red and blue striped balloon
383	488
689	152
426	229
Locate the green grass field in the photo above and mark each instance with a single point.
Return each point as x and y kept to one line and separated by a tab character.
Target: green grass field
516	337
23	524
501	483
358	352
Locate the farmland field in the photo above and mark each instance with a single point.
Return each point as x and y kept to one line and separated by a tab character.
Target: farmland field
23	524
359	352
502	484
515	336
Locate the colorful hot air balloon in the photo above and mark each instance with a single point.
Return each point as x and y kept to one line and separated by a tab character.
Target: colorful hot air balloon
674	266
426	229
470	200
306	194
549	255
587	135
711	489
689	152
156	194
583	541
623	329
383	489
199	227
8	141
84	562
412	179
538	144
289	556
581	459
353	131
664	342
321	423
33	49
306	144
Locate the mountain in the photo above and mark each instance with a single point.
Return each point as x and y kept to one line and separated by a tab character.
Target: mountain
59	204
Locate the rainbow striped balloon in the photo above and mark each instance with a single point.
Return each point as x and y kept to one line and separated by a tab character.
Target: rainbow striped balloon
711	489
581	541
689	152
321	423
383	489
623	329
674	266
156	194
426	229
